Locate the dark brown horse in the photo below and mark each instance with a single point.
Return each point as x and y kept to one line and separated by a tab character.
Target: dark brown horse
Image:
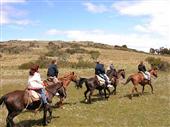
66	79
139	78
15	104
114	77
91	85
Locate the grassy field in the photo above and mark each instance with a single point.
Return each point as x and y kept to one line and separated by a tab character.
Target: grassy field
149	110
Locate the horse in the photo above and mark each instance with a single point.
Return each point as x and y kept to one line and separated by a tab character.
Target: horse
16	103
91	84
139	78
114	77
65	80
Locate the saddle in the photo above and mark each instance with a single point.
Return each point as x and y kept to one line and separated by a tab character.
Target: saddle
100	80
30	96
145	75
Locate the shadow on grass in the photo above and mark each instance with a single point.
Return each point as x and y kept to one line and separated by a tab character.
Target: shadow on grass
31	123
136	95
65	103
94	100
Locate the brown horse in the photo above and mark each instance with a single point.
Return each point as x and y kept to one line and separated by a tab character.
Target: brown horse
138	78
66	79
16	103
114	77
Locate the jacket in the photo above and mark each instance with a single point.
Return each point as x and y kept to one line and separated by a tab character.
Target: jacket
99	69
52	70
34	81
142	68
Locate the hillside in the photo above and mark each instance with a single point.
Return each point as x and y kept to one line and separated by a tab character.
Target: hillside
145	111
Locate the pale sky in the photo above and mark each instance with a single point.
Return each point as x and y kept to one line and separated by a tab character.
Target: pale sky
139	24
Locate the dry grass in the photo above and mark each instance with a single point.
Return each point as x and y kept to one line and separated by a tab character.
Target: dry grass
149	110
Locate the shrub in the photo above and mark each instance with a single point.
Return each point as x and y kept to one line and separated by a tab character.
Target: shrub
42	62
76	50
54	52
158	63
14	49
94	54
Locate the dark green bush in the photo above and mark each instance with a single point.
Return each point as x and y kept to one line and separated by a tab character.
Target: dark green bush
158	63
14	49
42	61
94	54
76	50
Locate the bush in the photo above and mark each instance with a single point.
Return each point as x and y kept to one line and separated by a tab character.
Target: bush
14	49
94	54
42	62
76	50
158	63
54	51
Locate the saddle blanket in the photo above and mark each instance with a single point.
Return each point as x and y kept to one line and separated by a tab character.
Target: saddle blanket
146	76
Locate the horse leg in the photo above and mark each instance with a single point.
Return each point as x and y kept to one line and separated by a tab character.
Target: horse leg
91	92
133	89
85	94
151	88
136	90
50	114
114	91
108	90
143	88
45	115
10	118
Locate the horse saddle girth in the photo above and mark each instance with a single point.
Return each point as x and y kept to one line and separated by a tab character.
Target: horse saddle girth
31	96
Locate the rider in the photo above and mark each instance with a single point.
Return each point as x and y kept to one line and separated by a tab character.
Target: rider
100	71
111	67
142	68
52	72
35	83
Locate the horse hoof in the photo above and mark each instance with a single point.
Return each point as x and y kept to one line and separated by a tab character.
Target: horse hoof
45	124
86	100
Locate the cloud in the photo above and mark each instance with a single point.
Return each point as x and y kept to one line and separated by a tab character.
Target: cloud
138	41
158	13
95	8
12	1
12	15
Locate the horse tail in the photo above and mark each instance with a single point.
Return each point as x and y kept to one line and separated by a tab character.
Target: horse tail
128	80
2	99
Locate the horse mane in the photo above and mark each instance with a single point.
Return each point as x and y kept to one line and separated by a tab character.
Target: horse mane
120	70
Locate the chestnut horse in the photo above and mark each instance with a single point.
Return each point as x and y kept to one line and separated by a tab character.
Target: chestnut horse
15	103
138	78
114	77
66	79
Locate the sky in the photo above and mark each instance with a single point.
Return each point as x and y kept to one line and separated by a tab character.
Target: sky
140	24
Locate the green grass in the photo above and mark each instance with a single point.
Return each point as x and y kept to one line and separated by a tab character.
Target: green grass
149	110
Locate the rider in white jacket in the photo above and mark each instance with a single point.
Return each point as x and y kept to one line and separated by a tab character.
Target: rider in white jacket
35	82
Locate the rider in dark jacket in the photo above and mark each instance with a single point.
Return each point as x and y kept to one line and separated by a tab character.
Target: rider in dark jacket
53	71
100	71
142	68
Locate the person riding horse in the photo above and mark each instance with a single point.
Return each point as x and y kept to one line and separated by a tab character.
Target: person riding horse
52	72
100	73
142	69
35	83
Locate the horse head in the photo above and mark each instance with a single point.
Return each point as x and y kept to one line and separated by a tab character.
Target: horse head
154	72
122	73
